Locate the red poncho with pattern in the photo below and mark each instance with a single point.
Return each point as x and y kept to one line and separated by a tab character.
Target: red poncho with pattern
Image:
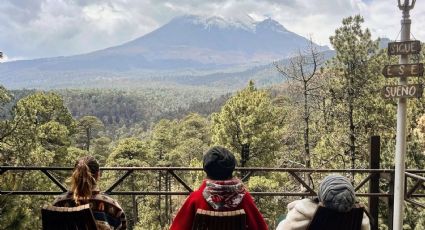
213	195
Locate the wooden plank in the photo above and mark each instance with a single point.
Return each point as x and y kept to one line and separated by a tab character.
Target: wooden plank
403	48
402	91
404	70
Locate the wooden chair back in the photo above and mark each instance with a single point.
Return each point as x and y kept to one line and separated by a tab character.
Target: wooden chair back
329	219
214	220
67	218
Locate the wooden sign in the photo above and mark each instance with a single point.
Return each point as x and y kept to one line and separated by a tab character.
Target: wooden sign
402	91
407	47
404	70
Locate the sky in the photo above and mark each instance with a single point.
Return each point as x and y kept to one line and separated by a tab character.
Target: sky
46	28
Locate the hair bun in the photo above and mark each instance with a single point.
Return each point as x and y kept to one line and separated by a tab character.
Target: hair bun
219	163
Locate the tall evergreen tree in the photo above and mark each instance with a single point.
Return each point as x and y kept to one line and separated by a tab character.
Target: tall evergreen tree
88	127
40	133
351	75
130	152
249	125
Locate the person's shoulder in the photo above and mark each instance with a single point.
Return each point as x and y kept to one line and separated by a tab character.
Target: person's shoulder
106	199
305	206
300	213
307	203
195	196
198	192
248	196
103	203
65	199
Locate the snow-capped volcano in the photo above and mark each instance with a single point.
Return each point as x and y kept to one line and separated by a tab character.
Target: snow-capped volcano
214	41
186	42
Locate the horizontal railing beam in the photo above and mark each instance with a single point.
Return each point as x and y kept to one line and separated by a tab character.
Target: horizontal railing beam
263	169
416	174
298	194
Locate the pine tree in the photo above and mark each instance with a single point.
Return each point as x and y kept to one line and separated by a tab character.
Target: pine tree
249	125
87	128
351	74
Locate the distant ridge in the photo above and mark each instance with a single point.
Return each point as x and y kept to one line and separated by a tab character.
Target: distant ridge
185	43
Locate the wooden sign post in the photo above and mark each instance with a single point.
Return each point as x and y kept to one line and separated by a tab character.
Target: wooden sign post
402	92
403	70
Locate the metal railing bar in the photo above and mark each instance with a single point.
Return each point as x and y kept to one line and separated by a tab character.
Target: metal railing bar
27	168
415	176
247	176
417	195
364	181
311	191
265	169
180	180
7	193
296	194
414	188
49	172
415	203
54	180
177	193
117	182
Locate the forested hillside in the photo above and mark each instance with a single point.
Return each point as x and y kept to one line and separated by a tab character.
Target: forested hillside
322	117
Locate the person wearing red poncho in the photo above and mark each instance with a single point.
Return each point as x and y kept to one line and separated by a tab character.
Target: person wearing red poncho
219	192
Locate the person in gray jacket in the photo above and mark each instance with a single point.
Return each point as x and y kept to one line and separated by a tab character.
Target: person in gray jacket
335	192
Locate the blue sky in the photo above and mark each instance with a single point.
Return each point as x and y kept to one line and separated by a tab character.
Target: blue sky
45	28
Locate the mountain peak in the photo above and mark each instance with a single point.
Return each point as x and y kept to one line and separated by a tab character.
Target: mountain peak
270	24
219	22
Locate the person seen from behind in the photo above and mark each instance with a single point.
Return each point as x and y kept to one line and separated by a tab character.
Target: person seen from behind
220	191
335	192
106	211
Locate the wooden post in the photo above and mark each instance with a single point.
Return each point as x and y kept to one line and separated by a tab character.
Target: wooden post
391	203
374	163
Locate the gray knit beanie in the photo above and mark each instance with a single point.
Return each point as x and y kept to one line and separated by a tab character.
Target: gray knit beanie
337	193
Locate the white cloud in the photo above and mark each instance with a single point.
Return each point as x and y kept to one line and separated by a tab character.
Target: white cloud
45	28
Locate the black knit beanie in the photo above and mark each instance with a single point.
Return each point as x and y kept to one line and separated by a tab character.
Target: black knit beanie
219	163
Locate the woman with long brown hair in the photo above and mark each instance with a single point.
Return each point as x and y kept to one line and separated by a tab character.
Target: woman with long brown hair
106	211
